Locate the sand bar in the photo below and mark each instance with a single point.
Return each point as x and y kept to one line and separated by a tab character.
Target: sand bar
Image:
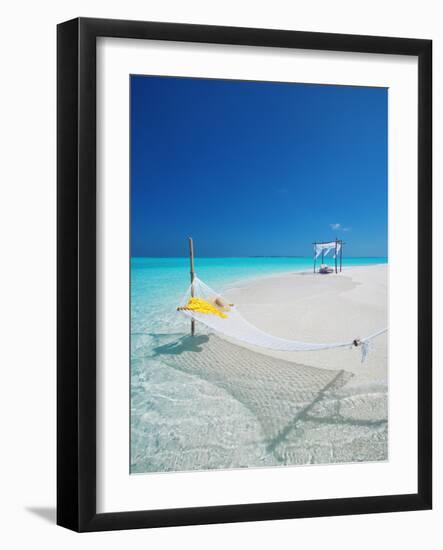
322	308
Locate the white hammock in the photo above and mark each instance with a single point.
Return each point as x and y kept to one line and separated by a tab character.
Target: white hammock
237	327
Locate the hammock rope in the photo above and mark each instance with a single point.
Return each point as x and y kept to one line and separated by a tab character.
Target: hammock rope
232	324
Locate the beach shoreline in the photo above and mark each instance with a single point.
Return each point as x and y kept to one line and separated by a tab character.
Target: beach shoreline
244	282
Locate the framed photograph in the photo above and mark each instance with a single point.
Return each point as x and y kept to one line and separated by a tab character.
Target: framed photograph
244	274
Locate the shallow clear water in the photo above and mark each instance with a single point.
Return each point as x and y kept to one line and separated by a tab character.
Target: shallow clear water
157	284
175	408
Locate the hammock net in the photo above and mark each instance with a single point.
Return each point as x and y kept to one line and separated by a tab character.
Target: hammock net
199	304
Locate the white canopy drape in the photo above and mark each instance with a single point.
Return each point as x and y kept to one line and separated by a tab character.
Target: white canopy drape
326	248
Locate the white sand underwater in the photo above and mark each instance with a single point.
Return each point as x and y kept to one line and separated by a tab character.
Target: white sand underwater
202	402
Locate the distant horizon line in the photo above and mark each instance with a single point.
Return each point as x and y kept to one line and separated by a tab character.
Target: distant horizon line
254	256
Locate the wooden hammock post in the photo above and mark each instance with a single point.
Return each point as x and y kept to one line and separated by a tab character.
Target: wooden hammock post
192	272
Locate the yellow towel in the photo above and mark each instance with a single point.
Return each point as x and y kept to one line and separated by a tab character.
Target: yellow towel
202	306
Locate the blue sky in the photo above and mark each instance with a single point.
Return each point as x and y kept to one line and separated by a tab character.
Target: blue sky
256	168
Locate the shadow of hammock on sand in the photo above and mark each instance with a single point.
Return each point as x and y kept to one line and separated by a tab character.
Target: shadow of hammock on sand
337	382
191	344
279	393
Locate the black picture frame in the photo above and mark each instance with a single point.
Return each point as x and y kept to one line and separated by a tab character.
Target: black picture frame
76	280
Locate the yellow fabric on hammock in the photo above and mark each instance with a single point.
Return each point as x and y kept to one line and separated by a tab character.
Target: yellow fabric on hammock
202	306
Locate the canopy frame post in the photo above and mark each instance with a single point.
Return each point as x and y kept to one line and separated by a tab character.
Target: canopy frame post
315	255
341	254
335	255
192	273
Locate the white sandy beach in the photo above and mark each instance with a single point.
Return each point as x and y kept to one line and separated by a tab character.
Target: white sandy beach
323	308
222	405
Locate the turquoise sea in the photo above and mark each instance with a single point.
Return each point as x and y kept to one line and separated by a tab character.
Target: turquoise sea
158	284
179	417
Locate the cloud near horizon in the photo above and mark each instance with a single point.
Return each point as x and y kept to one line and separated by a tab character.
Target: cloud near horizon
338	227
